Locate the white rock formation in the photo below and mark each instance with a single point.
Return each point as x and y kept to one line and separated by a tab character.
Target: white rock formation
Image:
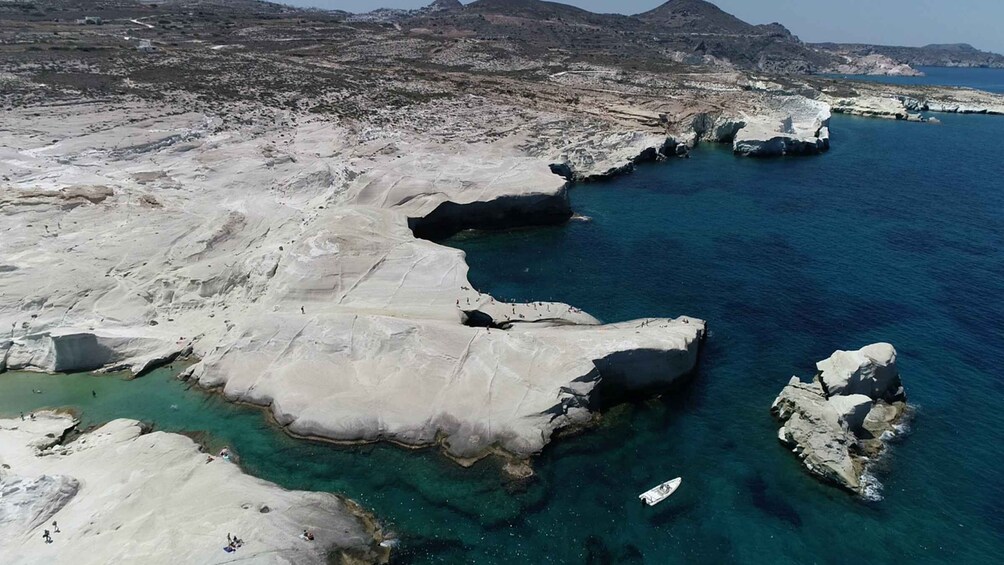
989	104
283	256
613	154
875	107
837	424
889	101
814	431
121	495
803	130
874	64
869	371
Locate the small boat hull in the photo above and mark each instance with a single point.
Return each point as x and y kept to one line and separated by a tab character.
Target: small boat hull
657	494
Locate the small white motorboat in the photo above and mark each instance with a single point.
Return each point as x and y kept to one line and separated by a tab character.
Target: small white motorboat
655	495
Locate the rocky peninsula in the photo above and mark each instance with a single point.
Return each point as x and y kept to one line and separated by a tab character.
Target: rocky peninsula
125	494
838	423
282	257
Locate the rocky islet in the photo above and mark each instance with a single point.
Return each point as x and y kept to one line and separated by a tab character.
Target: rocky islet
838	423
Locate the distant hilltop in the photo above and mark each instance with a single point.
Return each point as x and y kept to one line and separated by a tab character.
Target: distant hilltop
691	30
694	32
933	55
698	16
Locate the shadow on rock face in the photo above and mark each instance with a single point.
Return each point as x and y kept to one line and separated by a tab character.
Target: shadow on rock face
505	212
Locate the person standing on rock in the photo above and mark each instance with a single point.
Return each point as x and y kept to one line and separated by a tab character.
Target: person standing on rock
46	536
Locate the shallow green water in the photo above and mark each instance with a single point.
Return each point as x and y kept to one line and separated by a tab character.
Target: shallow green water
425	494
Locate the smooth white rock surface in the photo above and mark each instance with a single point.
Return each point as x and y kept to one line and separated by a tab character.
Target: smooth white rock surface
870	371
120	495
281	254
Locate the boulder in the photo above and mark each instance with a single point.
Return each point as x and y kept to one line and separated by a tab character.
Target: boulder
870	371
851	410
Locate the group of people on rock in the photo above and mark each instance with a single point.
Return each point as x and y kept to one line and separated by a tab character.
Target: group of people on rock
233	543
47	536
224	454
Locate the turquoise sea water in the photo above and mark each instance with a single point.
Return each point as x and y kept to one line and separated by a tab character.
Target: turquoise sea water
897	234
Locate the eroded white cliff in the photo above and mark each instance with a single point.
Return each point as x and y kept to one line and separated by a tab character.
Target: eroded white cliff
284	256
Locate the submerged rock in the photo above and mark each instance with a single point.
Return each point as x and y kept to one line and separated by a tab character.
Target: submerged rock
839	422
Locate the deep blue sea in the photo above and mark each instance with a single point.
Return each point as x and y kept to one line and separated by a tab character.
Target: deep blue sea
983	79
897	234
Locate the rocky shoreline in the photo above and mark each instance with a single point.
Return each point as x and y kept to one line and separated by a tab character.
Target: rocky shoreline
352	294
876	100
122	493
294	247
838	424
267	199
